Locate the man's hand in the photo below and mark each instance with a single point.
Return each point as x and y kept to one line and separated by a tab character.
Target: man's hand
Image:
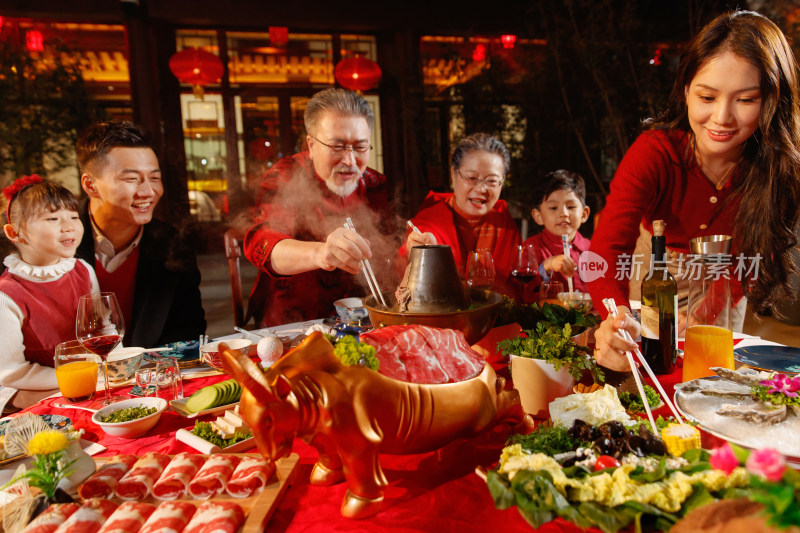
343	249
419	239
560	263
610	345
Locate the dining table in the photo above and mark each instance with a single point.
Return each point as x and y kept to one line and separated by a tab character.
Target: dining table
436	491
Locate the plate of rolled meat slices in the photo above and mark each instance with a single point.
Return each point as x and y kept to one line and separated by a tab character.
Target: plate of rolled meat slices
183	493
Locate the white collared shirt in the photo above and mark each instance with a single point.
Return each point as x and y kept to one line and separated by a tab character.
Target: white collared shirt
104	250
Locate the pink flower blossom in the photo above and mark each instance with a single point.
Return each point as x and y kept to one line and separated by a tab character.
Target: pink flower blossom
723	458
783	384
768	463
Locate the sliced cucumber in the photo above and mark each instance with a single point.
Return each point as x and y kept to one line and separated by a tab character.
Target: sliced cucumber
222	393
205	398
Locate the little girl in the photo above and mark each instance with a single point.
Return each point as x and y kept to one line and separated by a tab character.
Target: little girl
40	289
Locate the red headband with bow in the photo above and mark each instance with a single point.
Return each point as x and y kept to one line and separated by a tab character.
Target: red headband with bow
17	187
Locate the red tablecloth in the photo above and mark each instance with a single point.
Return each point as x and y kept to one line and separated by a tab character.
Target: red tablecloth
426	492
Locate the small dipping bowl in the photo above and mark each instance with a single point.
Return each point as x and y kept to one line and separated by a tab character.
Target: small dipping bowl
131	428
577	300
351	309
123	362
210	355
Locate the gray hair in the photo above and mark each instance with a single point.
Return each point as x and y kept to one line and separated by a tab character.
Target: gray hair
339	102
481	142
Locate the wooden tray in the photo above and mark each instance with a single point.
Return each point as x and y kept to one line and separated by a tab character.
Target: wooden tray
259	507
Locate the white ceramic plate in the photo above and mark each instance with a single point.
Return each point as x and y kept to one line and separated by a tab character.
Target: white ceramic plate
702	409
203	446
180	407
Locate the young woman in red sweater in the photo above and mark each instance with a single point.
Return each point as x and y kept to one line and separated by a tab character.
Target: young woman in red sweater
722	159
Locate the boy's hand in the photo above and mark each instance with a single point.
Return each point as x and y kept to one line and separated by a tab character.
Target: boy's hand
560	263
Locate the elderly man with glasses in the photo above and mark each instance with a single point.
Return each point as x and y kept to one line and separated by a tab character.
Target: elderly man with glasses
306	258
473	218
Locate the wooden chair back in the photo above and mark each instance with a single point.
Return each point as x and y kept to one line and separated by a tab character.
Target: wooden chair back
233	252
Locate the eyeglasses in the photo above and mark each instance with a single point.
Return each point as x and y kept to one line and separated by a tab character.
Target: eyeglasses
474	181
340	149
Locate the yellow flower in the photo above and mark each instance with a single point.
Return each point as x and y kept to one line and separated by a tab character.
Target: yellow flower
46	442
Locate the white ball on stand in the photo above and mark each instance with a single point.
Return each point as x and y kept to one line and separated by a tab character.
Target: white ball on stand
269	349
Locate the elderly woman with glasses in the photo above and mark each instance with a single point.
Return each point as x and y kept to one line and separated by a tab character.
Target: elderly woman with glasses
472	218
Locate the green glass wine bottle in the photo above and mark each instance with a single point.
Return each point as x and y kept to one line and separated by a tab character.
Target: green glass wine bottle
659	309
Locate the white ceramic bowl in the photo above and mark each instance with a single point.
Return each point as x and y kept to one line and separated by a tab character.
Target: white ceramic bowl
209	353
123	362
132	428
351	309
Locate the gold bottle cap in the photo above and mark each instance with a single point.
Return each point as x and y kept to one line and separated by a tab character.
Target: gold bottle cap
658	228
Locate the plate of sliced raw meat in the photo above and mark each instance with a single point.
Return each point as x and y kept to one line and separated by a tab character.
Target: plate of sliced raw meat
422	354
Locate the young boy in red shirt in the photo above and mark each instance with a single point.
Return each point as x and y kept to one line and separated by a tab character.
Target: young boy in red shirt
561	210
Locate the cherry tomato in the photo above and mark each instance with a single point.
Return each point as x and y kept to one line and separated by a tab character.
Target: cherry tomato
605	461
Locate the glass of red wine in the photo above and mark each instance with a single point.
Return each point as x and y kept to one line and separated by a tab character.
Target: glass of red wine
526	267
99	326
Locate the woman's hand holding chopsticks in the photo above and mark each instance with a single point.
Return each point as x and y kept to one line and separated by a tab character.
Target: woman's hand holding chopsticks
611	344
417	238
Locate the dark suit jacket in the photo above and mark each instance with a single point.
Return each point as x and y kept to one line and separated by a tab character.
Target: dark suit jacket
166	305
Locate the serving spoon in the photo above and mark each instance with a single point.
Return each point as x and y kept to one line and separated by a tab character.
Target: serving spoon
65	406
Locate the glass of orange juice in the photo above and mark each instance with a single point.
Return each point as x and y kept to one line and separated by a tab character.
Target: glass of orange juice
709	337
76	371
706	347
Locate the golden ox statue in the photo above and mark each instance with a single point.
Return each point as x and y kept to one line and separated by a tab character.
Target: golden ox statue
351	414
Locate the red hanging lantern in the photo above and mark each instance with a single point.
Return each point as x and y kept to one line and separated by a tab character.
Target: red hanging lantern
279	36
357	73
34	41
479	53
196	66
508	40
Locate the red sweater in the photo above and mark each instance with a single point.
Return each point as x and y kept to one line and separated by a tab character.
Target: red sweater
658	179
121	282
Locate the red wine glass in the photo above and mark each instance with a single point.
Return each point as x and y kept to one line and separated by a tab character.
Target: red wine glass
99	326
526	268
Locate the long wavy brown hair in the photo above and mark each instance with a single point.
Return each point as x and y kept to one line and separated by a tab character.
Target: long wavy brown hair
769	191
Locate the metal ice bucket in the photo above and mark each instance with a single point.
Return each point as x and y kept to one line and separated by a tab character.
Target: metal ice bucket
711	244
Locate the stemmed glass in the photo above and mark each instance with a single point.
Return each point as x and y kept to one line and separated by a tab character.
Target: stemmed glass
99	326
526	267
480	270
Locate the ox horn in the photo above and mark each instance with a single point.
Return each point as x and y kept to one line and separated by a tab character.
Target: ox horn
245	371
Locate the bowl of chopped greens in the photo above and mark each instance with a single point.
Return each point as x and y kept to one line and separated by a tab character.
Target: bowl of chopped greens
130	418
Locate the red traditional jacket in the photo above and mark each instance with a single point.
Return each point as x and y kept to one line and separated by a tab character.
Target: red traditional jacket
437	217
294	203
